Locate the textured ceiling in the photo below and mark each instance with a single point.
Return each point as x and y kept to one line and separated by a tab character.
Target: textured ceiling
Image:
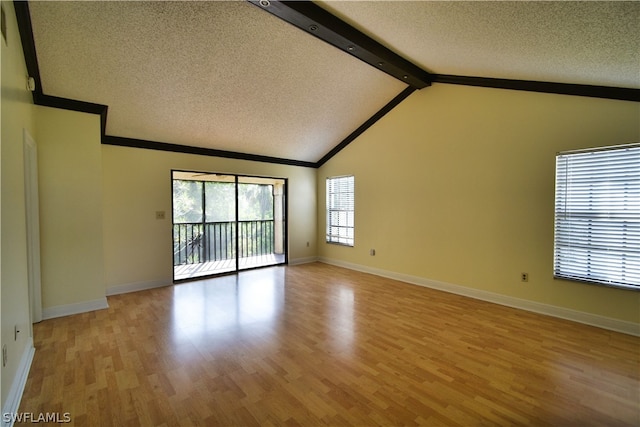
583	42
226	75
221	75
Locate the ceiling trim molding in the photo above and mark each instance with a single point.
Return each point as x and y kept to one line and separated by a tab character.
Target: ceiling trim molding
607	92
39	98
366	125
332	30
188	149
319	23
74	105
25	29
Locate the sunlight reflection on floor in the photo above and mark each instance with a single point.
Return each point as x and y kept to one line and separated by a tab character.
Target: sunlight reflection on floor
228	303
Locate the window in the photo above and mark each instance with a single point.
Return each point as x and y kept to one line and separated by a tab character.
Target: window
597	216
340	213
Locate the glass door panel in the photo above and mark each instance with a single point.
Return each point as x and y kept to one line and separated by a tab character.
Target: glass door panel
260	222
204	224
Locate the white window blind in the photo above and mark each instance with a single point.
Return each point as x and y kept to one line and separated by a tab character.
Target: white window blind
597	216
340	210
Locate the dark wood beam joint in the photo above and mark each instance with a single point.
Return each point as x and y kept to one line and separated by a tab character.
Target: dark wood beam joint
74	105
316	21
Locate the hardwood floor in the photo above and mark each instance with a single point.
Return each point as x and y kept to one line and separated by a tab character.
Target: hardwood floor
320	345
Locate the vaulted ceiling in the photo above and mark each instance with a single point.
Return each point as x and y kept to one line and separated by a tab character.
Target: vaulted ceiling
293	82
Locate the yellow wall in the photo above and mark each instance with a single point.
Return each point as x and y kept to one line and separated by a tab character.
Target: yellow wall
456	185
98	204
17	114
137	183
70	186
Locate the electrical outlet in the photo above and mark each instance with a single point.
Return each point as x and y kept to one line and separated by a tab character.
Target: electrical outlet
524	277
4	355
159	214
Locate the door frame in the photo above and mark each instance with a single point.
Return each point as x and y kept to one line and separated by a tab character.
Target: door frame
237	178
32	210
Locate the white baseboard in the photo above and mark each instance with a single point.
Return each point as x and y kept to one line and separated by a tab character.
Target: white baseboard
137	286
76	308
12	403
306	260
603	322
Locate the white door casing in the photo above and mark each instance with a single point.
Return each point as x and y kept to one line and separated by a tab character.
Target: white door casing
30	150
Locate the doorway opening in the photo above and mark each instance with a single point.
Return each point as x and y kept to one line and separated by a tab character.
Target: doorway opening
225	223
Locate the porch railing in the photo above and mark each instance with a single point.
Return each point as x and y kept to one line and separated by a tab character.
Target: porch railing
196	243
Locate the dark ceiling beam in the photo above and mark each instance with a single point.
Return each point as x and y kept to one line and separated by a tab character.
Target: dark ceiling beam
28	44
316	21
187	149
607	92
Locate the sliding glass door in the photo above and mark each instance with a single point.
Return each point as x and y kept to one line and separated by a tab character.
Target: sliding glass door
226	223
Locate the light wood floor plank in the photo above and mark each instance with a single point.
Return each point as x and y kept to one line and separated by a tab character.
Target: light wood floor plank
320	345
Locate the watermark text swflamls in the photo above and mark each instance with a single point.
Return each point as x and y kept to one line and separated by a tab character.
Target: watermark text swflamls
42	417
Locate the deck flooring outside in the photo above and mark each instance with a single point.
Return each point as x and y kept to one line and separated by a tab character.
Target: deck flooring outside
189	271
